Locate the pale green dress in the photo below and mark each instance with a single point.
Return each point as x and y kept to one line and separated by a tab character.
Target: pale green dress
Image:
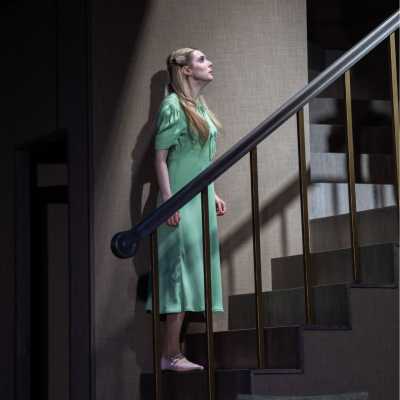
180	248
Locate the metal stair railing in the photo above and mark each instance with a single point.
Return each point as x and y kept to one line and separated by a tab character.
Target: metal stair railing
124	244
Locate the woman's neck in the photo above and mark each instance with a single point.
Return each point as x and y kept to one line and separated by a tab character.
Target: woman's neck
195	88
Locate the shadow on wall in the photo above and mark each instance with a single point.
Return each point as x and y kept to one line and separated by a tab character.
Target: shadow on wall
136	334
143	199
117	28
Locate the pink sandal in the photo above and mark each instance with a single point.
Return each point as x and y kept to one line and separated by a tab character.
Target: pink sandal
178	363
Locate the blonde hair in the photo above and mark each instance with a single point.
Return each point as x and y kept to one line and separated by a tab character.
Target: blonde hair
179	84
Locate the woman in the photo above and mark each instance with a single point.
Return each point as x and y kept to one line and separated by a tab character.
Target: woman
185	144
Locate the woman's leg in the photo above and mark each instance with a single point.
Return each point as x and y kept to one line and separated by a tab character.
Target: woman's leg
173	326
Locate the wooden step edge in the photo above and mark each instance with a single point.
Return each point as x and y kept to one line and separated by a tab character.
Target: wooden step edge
257	371
241	330
373	286
275	371
313	327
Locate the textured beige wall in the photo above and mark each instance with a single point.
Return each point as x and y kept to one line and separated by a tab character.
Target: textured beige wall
260	58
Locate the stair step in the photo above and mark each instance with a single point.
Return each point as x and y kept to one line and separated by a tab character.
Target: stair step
364	112
193	385
286	307
369	168
360	90
237	348
330	138
379	266
362	86
362	358
374	227
331	36
320	58
329	199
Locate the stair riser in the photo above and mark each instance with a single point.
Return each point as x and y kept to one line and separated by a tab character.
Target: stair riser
362	86
379	265
238	349
367	113
287	307
363	359
193	385
333	37
328	199
369	168
359	90
325	138
374	227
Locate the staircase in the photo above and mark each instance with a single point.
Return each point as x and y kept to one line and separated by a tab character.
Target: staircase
352	345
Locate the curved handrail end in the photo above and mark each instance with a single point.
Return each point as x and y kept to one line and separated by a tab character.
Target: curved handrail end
124	244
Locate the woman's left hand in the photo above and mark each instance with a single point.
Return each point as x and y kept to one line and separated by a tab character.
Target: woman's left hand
220	206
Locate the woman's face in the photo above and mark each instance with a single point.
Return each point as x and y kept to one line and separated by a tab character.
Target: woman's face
201	67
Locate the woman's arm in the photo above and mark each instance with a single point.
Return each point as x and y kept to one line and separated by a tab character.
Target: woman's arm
162	174
163	182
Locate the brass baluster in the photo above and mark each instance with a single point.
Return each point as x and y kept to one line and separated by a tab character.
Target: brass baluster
208	293
156	316
309	312
394	93
257	258
351	180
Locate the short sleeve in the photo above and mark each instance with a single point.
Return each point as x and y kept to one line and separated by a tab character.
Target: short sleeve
169	127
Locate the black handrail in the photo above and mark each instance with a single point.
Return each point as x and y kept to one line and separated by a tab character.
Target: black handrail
124	244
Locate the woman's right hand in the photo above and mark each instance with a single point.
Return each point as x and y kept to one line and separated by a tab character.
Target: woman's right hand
174	219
